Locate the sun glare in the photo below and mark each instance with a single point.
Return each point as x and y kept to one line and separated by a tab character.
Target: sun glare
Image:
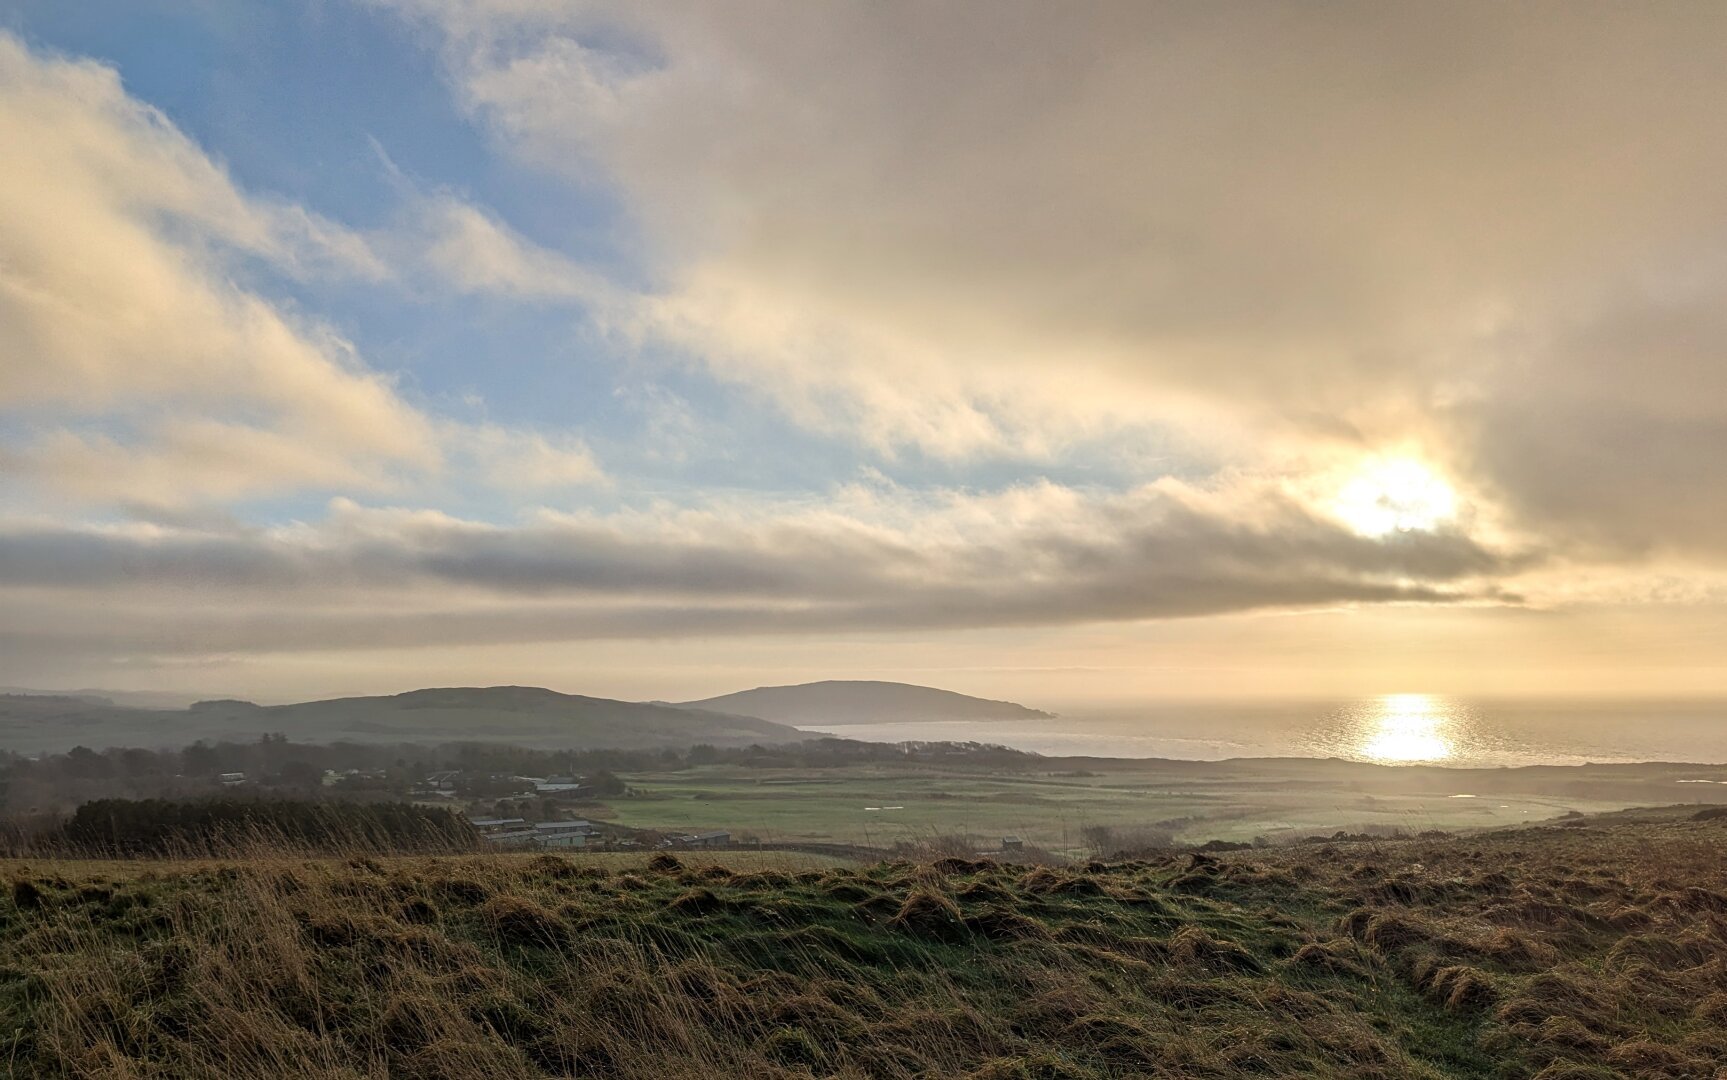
1395	495
1408	727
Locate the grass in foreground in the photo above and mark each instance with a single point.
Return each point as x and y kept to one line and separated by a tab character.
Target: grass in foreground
1598	951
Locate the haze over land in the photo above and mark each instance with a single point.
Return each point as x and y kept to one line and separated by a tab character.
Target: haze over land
920	770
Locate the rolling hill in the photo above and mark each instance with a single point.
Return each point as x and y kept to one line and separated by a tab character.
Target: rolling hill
514	714
861	702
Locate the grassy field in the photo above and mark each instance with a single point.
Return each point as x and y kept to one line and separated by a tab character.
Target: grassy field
150	869
1593	950
877	806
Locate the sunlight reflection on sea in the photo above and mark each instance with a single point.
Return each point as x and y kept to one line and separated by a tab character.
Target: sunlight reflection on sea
1398	729
1392	729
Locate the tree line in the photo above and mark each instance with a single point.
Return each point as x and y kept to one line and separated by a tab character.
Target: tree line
123	828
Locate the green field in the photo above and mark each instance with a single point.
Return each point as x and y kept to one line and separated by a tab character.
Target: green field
612	862
880	806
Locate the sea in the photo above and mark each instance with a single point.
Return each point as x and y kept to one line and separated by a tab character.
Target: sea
1392	729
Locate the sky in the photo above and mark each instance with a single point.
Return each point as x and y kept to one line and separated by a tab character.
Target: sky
1064	353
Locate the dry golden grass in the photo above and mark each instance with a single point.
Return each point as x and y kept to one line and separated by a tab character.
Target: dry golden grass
1581	952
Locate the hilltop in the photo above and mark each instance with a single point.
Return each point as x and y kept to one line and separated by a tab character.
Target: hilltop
510	714
1587	951
862	702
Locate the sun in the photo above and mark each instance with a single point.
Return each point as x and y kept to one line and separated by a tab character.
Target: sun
1395	495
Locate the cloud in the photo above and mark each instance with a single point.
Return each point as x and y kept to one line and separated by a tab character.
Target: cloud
867	560
1253	248
1610	430
986	233
147	374
122	311
526	461
186	459
474	252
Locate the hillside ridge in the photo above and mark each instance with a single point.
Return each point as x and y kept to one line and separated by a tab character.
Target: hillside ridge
529	715
863	701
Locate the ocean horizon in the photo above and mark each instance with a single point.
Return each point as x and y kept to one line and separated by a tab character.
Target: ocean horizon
1391	729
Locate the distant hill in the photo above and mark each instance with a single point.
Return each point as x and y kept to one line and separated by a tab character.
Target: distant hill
514	714
136	699
40	723
861	702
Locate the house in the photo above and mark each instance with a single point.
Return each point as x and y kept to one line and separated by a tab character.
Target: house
355	777
708	839
229	779
483	785
443	782
560	785
1012	843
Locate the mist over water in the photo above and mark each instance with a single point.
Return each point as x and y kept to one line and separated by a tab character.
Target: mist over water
1393	729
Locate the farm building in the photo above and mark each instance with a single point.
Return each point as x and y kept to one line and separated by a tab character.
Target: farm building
512	839
563	834
488	826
